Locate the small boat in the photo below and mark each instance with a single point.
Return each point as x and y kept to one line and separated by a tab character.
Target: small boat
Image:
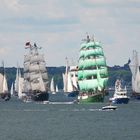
120	94
109	107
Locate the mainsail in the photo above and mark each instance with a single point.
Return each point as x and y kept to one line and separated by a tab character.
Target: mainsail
19	82
52	88
3	84
35	72
4	93
92	68
134	67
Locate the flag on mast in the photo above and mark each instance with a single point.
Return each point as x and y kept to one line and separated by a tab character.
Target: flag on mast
27	45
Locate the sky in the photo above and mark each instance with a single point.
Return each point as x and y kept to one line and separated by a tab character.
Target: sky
59	26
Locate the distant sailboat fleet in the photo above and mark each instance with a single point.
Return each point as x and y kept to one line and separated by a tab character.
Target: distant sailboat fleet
86	82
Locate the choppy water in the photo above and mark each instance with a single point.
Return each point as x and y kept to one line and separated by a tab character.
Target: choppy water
32	121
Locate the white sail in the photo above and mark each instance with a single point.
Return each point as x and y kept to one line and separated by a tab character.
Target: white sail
137	82
69	84
19	82
134	67
16	81
52	89
64	82
56	89
12	90
5	87
19	88
70	80
42	85
73	75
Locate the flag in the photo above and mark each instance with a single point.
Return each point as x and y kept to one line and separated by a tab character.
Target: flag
27	45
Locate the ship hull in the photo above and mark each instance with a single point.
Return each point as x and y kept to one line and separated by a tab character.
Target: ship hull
5	96
73	94
91	99
120	100
135	95
42	96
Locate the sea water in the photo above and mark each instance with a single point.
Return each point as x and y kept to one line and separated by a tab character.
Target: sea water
38	121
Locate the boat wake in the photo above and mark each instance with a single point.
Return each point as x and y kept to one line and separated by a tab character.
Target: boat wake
61	103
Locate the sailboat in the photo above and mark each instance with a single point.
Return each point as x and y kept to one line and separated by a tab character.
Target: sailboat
92	72
35	74
70	81
134	68
52	88
4	93
19	85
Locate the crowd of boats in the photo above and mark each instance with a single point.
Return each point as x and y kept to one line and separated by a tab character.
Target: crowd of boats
85	82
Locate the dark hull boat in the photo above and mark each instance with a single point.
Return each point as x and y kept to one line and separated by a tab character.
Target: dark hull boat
135	95
44	96
5	96
73	94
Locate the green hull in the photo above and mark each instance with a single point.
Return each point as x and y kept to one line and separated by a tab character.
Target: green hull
92	99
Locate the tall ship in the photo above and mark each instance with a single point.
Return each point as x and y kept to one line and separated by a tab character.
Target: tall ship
92	72
134	68
35	74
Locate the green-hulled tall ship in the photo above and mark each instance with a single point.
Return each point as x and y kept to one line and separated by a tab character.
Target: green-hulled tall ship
92	72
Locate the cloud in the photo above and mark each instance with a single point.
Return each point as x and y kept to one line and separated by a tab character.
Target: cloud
60	25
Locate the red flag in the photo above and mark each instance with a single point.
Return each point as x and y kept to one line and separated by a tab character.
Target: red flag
27	45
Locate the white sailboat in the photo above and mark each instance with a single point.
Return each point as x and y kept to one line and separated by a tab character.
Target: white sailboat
134	67
4	93
70	81
19	84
